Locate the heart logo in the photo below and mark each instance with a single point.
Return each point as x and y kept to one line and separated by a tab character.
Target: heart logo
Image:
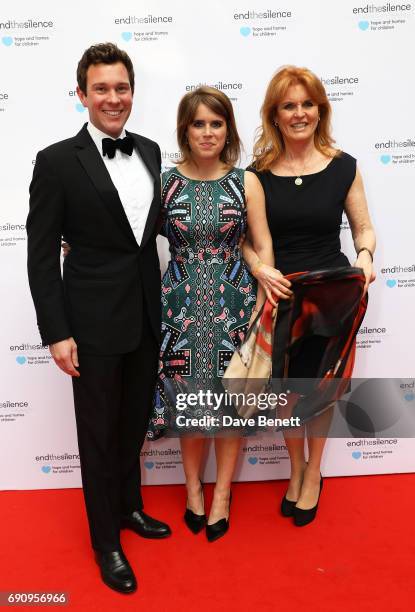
79	107
409	397
7	41
253	460
21	360
385	159
149	465
363	25
46	469
127	36
356	454
391	282
245	31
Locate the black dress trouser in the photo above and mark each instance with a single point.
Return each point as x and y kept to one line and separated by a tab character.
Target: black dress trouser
113	399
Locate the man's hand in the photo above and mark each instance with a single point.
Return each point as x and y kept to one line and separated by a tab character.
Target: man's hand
66	247
65	354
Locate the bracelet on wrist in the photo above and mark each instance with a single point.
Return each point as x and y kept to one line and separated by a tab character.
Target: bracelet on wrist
365	249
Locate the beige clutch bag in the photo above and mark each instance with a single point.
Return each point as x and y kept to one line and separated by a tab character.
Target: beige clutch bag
249	371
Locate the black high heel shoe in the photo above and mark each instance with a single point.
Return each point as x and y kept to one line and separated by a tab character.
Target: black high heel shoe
287	506
195	522
304	517
218	529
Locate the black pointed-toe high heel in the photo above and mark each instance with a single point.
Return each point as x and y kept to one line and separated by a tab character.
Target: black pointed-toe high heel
218	529
287	506
195	522
304	517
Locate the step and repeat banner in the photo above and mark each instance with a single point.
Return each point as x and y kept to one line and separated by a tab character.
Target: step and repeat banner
361	52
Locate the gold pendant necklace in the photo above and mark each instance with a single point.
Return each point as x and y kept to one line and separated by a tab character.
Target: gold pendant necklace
298	180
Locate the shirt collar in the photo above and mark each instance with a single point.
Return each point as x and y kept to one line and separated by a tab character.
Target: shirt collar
97	135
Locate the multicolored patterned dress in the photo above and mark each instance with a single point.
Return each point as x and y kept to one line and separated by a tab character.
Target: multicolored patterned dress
207	291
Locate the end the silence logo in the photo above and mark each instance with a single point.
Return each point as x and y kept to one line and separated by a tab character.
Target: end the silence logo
396	151
80	108
156	22
148	20
356	455
20	29
64	463
267	14
168	159
36	354
372	330
11	234
222	85
386	16
408	389
274	18
399	276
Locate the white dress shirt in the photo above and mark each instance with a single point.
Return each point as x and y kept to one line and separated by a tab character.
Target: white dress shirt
132	180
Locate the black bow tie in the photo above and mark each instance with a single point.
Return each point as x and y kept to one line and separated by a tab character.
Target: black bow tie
109	146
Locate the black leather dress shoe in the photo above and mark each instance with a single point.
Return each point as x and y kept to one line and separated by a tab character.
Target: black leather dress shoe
116	572
145	525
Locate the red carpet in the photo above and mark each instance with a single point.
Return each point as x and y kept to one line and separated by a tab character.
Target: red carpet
359	554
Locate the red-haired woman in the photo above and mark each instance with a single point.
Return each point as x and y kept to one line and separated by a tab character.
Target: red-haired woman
308	183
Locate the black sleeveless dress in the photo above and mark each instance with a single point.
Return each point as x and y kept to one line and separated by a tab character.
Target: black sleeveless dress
305	221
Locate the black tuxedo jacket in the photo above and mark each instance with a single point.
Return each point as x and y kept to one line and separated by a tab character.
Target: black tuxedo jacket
107	278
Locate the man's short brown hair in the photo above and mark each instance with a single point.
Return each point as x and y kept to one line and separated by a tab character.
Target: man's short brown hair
103	53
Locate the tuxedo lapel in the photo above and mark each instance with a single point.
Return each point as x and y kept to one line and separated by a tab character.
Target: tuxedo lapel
94	166
148	156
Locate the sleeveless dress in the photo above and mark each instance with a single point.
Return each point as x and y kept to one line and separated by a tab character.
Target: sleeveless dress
207	291
305	221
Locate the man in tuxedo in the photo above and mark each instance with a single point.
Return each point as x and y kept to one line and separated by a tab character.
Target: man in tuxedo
100	191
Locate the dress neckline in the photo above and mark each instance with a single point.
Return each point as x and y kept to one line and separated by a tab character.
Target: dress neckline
291	176
204	180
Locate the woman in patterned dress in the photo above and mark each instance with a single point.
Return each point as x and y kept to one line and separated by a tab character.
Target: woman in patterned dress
208	294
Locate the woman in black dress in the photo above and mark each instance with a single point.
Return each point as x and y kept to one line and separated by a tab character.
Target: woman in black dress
308	183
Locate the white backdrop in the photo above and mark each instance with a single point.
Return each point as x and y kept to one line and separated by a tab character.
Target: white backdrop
362	53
